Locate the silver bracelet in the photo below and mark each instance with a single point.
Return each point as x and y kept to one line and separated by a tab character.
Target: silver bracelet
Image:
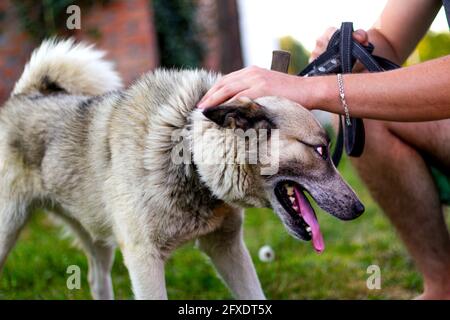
340	79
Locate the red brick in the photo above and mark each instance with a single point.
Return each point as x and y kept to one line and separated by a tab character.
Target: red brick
126	29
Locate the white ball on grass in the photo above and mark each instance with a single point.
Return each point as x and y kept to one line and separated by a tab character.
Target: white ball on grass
266	254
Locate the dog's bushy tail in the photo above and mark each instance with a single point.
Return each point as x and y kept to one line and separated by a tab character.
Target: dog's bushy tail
66	66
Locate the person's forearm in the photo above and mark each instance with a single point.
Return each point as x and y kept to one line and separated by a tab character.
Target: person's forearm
416	93
400	27
397	43
383	47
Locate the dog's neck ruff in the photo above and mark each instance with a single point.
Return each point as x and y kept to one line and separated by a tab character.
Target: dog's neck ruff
217	167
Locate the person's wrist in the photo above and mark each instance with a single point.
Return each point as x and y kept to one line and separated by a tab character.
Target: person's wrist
319	92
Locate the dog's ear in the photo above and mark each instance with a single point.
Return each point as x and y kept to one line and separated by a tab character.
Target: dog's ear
239	114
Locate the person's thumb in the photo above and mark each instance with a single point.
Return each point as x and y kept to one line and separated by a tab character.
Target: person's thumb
361	36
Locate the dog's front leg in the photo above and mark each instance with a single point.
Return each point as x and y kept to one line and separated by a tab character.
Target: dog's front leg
230	256
146	268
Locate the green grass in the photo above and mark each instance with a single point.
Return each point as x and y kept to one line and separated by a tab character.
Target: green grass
36	268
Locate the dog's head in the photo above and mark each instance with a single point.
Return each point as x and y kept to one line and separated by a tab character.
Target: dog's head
296	160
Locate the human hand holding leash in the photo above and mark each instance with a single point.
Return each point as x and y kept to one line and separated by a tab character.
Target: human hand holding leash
322	42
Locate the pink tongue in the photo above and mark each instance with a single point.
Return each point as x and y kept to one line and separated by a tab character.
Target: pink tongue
308	215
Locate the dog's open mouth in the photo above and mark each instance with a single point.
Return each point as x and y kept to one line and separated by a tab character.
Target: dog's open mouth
292	198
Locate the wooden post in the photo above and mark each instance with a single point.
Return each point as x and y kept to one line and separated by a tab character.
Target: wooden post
280	61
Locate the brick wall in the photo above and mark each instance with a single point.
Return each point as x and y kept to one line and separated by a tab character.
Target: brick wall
127	32
123	28
15	49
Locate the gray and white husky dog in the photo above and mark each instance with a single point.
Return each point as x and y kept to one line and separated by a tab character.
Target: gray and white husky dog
100	157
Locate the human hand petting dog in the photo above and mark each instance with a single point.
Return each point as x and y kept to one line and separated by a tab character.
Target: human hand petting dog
251	82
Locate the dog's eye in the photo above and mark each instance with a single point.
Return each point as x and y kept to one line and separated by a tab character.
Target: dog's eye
322	151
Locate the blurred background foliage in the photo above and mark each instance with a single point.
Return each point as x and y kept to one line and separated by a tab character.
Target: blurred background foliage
44	19
433	45
177	30
299	55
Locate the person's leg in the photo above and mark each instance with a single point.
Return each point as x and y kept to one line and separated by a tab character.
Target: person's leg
431	139
400	181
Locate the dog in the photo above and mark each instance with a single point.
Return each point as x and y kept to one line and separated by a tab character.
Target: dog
101	158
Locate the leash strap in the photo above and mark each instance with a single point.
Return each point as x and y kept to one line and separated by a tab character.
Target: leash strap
340	57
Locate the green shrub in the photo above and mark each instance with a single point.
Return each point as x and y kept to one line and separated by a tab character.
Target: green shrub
177	31
46	18
299	55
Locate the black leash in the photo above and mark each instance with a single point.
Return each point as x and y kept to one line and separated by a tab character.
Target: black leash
340	57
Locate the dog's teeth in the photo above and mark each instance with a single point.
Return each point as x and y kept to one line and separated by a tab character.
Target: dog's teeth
308	229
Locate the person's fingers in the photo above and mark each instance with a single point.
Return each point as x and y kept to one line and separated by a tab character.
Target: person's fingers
216	99
322	43
314	54
329	33
239	74
209	93
223	94
361	36
244	94
216	87
318	48
226	80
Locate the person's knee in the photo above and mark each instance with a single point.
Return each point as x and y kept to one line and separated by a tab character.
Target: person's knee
376	147
377	138
375	128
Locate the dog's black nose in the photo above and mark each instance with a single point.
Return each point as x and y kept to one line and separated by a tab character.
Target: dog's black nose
358	208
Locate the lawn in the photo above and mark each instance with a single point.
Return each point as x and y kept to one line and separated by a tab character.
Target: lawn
36	268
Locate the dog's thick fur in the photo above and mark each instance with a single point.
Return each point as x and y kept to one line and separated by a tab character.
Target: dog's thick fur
100	157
